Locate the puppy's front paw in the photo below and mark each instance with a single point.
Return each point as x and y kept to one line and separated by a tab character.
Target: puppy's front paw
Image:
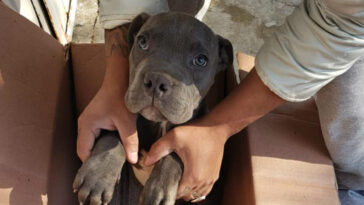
158	192
161	187
97	177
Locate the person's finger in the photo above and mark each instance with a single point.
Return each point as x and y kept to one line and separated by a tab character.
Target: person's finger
195	194
159	149
85	142
185	190
187	186
200	193
198	198
189	180
207	189
192	194
131	143
186	194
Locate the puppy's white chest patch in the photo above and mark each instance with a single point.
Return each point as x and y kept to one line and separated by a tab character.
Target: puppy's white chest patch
142	172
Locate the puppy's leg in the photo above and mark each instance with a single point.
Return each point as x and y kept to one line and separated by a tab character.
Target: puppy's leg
161	187
97	177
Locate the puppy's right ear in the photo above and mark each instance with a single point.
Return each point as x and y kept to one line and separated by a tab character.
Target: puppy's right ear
135	26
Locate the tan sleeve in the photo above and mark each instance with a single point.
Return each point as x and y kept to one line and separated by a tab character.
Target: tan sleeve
352	9
315	45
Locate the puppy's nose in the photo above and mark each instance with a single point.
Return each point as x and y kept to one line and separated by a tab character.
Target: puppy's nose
157	84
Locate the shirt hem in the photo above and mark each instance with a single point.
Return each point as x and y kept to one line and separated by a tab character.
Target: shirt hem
276	89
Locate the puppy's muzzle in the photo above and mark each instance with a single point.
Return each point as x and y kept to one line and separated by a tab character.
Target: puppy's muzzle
157	85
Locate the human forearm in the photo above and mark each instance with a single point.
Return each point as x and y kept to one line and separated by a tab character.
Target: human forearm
248	102
107	109
117	65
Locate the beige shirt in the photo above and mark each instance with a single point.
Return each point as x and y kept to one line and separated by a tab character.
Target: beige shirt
117	12
320	41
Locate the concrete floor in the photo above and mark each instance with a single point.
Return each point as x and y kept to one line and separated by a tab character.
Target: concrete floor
244	22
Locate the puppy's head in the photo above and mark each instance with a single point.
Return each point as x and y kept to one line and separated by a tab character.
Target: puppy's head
173	62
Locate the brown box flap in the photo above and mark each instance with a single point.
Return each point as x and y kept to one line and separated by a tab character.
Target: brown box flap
290	163
88	62
37	127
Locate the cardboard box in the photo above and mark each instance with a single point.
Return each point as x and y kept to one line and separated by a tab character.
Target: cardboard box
287	162
280	159
37	122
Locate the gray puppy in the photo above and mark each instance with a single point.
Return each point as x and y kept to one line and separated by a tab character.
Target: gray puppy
173	62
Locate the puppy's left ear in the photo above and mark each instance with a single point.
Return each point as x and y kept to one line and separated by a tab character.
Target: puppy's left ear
135	26
226	56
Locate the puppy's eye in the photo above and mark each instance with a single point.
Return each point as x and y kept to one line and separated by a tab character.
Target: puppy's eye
200	60
142	42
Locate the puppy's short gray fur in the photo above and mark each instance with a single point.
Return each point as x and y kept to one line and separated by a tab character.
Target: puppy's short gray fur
166	89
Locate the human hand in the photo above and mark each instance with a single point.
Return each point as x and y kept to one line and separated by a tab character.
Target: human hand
201	150
107	110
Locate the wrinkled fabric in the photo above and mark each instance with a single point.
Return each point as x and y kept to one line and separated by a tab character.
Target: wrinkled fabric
319	41
352	9
350	197
341	110
114	13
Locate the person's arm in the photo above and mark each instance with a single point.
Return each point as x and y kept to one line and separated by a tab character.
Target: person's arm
107	109
117	62
206	137
247	103
315	45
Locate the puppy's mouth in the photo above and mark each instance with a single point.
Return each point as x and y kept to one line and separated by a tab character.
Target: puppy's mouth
152	113
175	107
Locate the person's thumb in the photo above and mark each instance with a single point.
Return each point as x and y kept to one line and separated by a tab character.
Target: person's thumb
130	141
85	142
159	149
